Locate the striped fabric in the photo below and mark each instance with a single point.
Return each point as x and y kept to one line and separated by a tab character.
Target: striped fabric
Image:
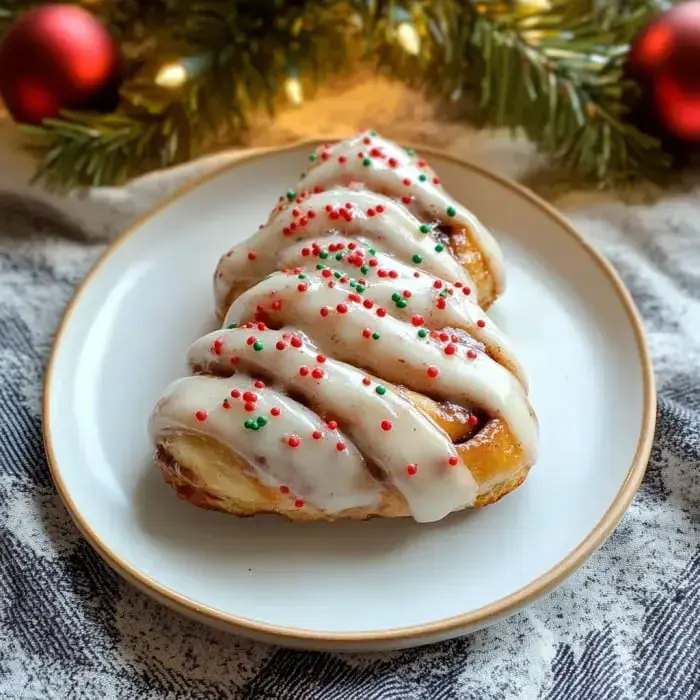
624	627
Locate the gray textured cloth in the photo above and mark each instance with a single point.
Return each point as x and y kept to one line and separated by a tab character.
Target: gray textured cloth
625	626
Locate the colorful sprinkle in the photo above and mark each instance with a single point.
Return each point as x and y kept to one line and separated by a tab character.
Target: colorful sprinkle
452	461
432	372
481	323
473	420
201	416
422	333
257	346
412	469
317	435
451	211
294	441
385	425
340	446
381	390
299	503
275	411
417	258
375	336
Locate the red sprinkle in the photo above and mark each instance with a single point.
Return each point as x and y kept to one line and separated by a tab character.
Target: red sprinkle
437	284
373	262
317	435
303	371
450	349
302	287
381	312
452	461
393	274
320	358
295	342
274	411
481	323
201	416
471	354
299	503
421	163
366	381
303	221
280	345
444	336
250	396
432	372
441	303
473	420
412	469
317	373
417	320
393	162
216	347
385	425
276	305
406	199
323	311
367	140
326	273
250	340
235	394
250	407
331	424
406	294
294	441
284	489
342	159
342	308
371	212
251	255
381	273
296	213
366	332
318	189
406	182
306	252
340	446
380	208
436	181
466	291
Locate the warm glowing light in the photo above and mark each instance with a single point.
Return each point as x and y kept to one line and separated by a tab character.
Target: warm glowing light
535	5
295	93
172	75
408	38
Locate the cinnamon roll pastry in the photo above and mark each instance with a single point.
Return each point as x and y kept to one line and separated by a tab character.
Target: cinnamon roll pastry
355	373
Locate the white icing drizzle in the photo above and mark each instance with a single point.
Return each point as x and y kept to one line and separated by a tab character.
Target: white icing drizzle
350	396
461	309
395	230
428	197
398	356
343	482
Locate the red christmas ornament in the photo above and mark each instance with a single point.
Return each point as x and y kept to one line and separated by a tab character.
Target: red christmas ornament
58	57
664	61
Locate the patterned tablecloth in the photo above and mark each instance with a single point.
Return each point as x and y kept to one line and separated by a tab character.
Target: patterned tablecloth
625	626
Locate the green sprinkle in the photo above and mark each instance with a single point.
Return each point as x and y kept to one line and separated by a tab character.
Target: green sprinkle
366	162
353	283
451	211
291	194
364	269
323	254
444	293
248	425
262	420
439	248
257	346
417	258
422	177
302	276
424	228
337	275
312	157
395	296
339	256
410	152
232	325
401	304
254	426
372	251
320	266
381	390
422	333
360	288
376	335
372	133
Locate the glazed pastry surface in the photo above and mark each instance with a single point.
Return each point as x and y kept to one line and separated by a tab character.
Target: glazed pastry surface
356	373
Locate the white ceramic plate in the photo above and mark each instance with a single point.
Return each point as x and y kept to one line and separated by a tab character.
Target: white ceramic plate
371	585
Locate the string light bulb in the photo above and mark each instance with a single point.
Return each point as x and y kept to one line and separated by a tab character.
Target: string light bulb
171	75
408	38
295	92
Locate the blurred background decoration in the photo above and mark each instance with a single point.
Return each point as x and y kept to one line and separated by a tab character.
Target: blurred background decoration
109	89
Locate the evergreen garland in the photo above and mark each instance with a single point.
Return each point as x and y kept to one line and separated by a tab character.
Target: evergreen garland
555	75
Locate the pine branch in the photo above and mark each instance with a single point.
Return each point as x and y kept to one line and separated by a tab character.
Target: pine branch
556	76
